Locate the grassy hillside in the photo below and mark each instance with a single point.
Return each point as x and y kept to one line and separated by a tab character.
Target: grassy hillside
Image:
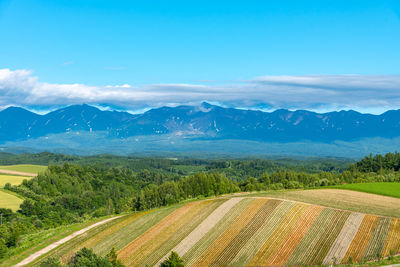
33	242
9	200
243	230
29	168
385	189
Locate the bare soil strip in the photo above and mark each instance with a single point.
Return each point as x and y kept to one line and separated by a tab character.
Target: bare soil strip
203	228
180	234
344	239
361	239
18	173
50	247
191	256
226	237
332	229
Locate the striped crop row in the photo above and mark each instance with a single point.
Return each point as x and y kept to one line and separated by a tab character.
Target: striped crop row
244	231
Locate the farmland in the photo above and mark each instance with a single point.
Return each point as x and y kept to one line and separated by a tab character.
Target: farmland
341	199
15	174
241	231
30	168
9	200
385	189
12	179
32	243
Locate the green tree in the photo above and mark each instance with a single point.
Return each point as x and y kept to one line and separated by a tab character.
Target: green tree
113	258
173	261
3	248
264	178
87	258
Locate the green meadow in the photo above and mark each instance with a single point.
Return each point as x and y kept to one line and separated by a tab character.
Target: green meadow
30	168
385	189
9	201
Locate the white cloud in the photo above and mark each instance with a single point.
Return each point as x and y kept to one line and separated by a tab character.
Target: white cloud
361	92
315	92
336	82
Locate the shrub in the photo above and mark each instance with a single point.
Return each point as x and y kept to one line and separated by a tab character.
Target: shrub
50	262
173	261
112	257
3	248
87	258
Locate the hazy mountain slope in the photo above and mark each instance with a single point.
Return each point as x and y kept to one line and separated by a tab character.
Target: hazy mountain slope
18	123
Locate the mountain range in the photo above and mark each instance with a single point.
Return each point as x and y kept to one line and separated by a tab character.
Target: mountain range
205	121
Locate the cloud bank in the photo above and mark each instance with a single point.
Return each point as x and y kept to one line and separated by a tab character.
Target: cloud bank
367	93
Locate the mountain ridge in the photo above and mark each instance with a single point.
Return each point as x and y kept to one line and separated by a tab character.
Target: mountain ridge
204	121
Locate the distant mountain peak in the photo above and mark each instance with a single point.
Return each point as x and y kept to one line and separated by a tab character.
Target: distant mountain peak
80	107
13	108
17	112
204	121
206	107
205	104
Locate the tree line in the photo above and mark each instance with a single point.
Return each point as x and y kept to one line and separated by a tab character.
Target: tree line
376	163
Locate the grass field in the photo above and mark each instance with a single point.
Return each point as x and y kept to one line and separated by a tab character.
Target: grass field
9	200
240	231
24	168
340	199
384	189
12	179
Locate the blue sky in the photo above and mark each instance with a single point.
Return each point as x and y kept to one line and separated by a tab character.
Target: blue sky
200	51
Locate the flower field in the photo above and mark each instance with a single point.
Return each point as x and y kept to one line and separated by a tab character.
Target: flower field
244	231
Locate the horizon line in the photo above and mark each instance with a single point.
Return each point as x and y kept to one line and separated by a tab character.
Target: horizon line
112	108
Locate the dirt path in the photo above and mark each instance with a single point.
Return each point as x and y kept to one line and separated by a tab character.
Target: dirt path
50	247
18	173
